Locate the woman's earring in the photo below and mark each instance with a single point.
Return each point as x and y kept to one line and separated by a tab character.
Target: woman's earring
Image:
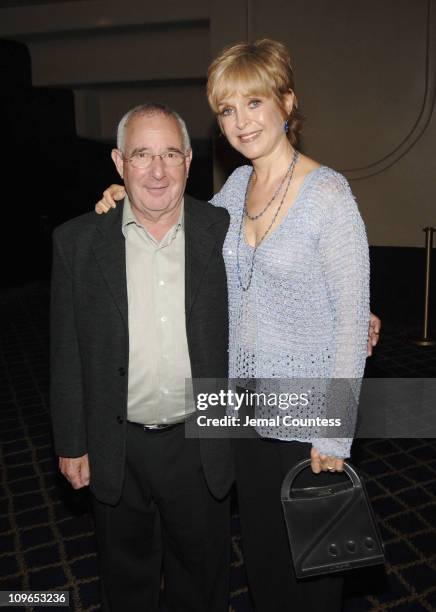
286	126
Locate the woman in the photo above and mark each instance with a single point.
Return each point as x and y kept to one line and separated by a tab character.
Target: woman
297	266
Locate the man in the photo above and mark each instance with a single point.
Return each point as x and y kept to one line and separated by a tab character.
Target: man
139	304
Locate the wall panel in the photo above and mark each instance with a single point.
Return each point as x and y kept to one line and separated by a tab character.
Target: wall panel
366	75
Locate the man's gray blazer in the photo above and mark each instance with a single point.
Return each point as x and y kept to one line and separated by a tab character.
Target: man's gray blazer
90	341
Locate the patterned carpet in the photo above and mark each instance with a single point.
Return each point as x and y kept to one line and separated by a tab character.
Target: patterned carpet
46	531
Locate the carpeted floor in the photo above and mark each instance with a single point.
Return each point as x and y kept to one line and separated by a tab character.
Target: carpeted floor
46	531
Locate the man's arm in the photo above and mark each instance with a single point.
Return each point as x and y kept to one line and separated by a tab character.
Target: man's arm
66	393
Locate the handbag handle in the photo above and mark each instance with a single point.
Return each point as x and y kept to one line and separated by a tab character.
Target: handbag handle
299	467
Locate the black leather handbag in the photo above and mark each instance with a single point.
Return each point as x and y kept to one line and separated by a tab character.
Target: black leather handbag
330	528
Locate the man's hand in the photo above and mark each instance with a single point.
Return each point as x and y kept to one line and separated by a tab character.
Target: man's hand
325	463
374	328
111	195
75	470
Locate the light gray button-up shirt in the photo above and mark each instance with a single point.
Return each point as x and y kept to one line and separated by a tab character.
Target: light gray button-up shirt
158	348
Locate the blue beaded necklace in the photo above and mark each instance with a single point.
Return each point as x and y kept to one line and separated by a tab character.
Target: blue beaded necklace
246	287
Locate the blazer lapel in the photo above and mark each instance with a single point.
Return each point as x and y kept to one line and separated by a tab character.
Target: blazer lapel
110	252
199	244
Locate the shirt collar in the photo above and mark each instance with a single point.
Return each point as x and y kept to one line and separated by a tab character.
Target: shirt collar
128	216
129	219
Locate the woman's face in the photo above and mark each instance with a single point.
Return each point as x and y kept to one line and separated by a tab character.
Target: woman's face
253	125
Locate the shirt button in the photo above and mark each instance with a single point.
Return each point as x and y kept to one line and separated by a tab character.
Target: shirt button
161	283
163	319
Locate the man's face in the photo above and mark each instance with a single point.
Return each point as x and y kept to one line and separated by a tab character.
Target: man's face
158	189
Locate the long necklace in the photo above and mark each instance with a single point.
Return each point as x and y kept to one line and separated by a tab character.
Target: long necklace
256	246
276	192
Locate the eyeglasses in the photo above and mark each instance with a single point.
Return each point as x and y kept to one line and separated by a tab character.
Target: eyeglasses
143	159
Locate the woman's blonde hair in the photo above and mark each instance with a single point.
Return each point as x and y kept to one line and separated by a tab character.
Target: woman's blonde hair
261	68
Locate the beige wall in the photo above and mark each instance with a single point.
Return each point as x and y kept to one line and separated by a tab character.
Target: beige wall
365	77
114	55
366	82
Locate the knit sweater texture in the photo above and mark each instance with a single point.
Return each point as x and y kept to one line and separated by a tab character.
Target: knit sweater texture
306	313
